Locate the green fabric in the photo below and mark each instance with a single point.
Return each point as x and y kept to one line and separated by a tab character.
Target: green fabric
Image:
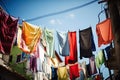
49	37
99	59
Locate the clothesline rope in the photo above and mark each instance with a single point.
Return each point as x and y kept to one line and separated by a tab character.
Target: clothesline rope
55	13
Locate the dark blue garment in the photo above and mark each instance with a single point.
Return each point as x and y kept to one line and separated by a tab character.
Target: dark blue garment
23	56
54	73
82	76
107	49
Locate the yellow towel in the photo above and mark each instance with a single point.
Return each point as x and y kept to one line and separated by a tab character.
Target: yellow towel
62	73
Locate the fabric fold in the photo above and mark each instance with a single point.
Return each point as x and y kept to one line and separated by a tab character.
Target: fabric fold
104	32
86	42
72	58
8	31
49	39
30	36
63	43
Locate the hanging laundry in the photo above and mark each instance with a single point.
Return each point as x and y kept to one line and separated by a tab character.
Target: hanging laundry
54	73
31	35
107	49
74	71
23	56
38	76
8	30
33	63
84	68
99	59
72	58
92	64
104	32
49	38
40	51
63	43
88	70
82	76
86	43
62	73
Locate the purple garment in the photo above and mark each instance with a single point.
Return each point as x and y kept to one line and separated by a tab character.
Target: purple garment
92	65
8	30
33	63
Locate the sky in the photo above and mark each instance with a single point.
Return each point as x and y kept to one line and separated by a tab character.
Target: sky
74	20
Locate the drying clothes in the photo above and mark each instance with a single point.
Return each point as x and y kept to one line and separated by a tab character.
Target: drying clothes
33	63
82	76
8	30
63	43
49	38
88	70
23	56
107	49
74	71
86	42
31	35
54	73
99	59
40	51
84	68
104	32
20	42
38	76
92	64
62	73
72	58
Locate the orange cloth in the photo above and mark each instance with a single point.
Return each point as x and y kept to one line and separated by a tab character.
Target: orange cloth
104	32
30	37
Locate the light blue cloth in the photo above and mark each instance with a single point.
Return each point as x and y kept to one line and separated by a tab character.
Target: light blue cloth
63	43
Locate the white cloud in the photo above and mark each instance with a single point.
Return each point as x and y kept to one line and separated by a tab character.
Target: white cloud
71	15
52	21
55	21
58	21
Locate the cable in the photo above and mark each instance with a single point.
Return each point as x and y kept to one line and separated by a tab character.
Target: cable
60	12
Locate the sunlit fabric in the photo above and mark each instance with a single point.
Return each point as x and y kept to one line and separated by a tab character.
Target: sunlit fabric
20	42
62	73
92	64
99	59
8	30
86	42
63	43
74	71
104	32
72	58
49	38
31	34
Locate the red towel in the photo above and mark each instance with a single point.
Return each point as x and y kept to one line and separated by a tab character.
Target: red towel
104	32
74	72
72	58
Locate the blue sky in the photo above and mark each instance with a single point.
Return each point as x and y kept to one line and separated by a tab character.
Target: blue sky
73	20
